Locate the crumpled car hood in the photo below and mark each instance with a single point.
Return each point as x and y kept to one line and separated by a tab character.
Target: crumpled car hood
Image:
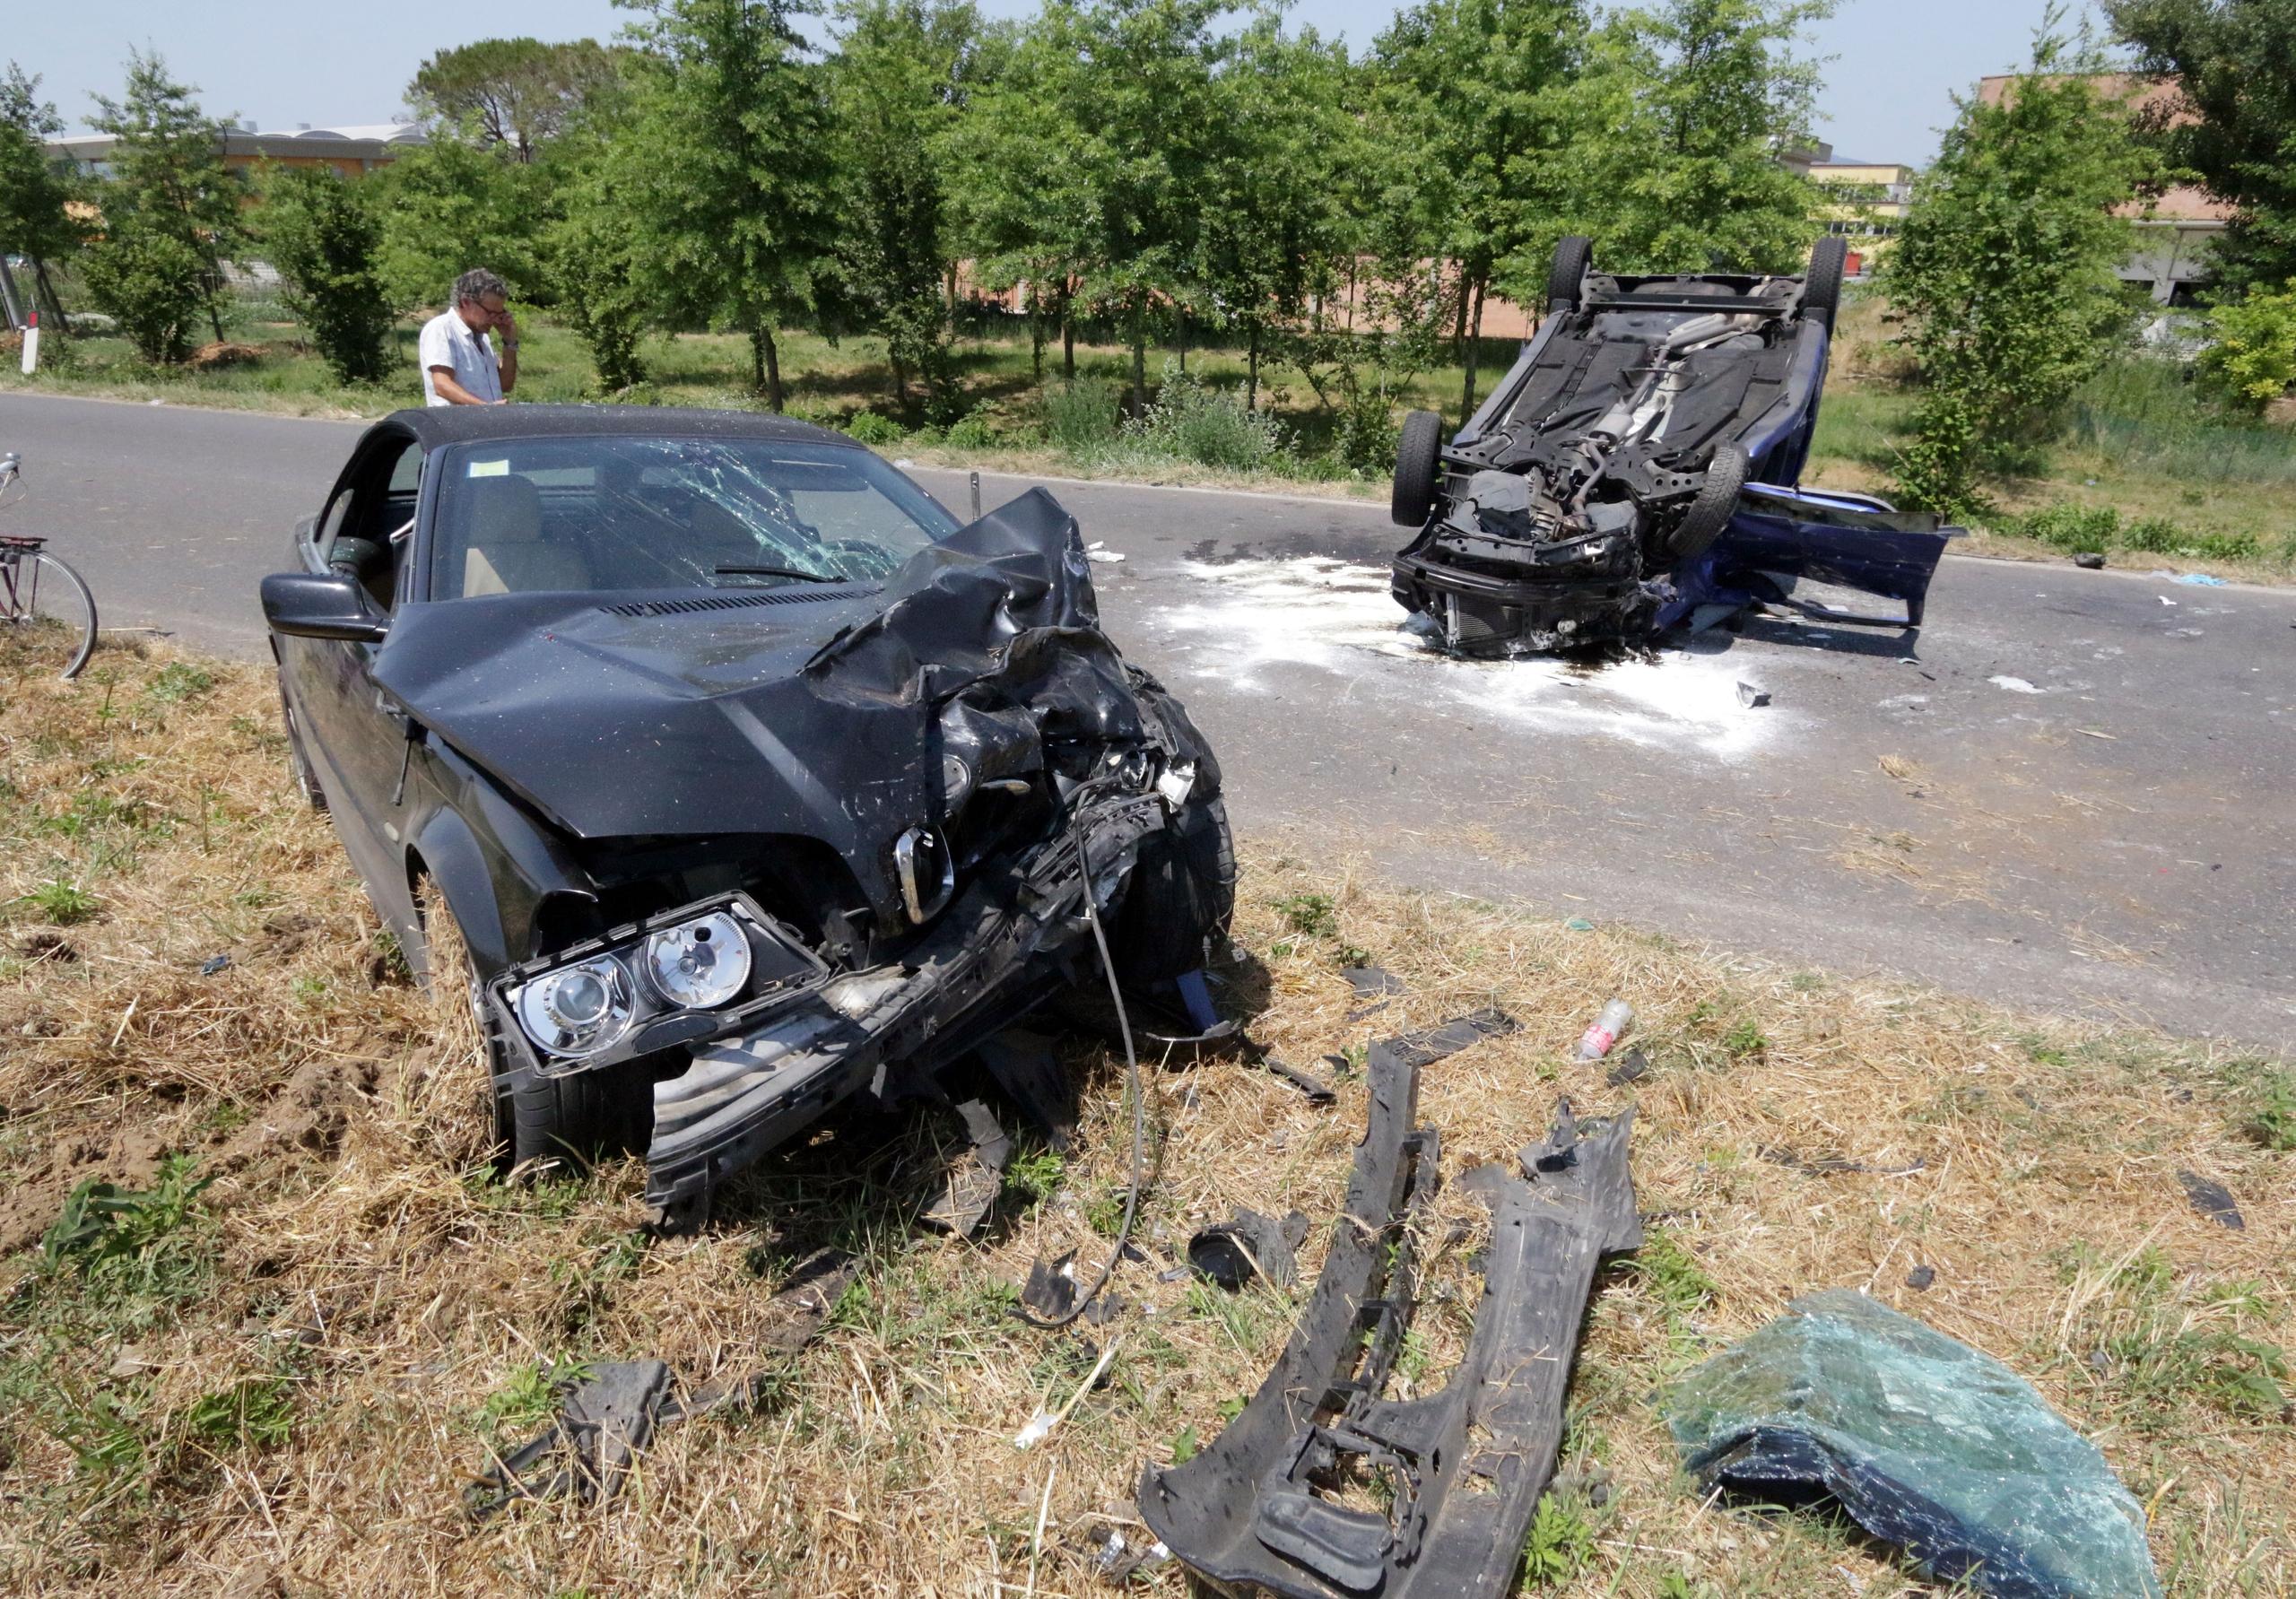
790	712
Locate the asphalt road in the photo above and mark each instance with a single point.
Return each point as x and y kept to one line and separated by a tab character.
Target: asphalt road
2071	793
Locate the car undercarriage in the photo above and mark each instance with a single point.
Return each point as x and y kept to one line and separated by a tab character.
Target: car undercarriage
1639	465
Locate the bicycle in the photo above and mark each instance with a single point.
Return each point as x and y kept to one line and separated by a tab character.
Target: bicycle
38	589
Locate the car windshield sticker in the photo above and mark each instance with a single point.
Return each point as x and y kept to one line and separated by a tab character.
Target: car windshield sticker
489	468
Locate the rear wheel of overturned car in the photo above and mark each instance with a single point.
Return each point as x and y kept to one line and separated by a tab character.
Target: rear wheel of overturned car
1821	288
531	1120
1711	512
1182	894
1415	463
1566	279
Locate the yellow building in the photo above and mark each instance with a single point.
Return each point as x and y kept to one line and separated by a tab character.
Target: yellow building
1864	202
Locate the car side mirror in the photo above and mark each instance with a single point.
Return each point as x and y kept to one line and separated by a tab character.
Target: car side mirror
321	605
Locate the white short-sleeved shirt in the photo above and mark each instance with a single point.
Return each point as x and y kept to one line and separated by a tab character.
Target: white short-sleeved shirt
447	342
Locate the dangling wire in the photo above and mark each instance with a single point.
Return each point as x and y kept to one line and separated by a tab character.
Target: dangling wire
1139	1100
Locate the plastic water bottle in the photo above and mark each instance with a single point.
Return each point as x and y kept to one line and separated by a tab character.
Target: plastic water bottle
1603	1032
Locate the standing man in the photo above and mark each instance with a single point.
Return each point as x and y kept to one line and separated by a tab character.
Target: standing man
459	367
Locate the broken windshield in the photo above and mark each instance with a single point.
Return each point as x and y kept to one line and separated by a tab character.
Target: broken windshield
524	514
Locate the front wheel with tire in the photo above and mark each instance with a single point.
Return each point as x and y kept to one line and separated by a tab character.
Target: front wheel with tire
1711	512
49	597
533	1121
1181	895
1415	463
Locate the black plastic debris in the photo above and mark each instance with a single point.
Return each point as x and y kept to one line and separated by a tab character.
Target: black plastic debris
2089	560
1461	1470
214	964
2212	1199
1752	697
603	1424
610	1410
1249	1247
1432	1044
1634	1068
1025	1067
1051	1289
1920	1278
976	1177
1921	1440
1370	982
1317	1090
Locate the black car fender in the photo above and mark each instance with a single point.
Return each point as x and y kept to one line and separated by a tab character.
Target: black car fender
498	867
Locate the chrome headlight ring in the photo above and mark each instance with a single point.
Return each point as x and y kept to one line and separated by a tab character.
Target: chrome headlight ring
579	1009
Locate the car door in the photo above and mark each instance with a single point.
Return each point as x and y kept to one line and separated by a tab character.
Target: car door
357	740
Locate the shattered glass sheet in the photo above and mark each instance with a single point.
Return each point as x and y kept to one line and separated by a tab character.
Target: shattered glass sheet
1924	1441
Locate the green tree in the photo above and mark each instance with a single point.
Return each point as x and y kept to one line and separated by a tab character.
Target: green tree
739	216
594	255
1477	93
2004	272
2233	125
1275	193
898	84
1686	176
321	232
33	185
170	215
518	93
1019	196
454	203
1101	130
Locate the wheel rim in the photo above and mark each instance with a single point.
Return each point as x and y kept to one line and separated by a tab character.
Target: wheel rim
51	599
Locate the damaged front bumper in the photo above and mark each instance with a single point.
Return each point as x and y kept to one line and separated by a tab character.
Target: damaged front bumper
1258	1511
755	1078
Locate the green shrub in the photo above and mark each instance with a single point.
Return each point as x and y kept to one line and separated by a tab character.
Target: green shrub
1366	437
2252	360
2072	527
971	431
1208	426
867	427
1081	413
321	231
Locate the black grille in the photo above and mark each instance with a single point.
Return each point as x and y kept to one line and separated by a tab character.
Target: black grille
807	595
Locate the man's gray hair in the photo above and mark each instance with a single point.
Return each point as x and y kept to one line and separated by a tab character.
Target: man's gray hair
474	285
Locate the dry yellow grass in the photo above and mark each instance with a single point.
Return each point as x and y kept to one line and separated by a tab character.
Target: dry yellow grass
371	1307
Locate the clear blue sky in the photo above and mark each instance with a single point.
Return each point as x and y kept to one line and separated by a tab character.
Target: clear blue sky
1896	64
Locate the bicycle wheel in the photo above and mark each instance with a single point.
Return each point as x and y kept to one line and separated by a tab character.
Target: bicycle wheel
51	594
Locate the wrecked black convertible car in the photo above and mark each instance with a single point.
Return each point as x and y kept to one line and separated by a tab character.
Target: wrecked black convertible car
749	779
1638	468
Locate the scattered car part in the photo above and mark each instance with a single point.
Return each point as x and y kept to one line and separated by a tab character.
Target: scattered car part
975	1177
2212	1199
1247	1247
1752	697
1638	468
1920	1278
1464	1466
1051	1288
738	813
1923	1441
1635	1067
1317	1090
2089	560
1025	1068
610	1413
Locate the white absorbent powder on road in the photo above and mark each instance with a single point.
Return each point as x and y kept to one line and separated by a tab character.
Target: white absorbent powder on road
1257	617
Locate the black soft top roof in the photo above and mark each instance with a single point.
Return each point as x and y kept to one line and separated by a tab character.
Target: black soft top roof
436	425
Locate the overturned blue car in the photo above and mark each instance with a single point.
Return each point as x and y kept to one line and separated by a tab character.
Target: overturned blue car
1637	469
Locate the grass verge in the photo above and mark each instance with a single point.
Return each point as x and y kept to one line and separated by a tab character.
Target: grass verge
266	1360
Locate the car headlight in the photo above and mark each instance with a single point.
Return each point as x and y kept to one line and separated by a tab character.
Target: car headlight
698	965
577	1010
